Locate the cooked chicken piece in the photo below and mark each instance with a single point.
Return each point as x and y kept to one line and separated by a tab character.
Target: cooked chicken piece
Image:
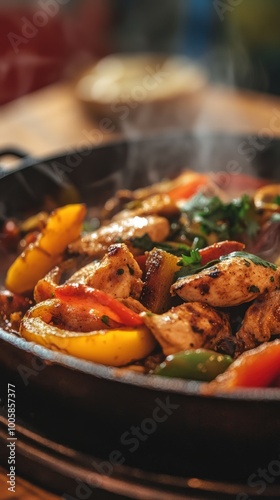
210	186
230	282
188	326
261	321
74	317
133	304
159	204
44	289
117	274
96	244
86	273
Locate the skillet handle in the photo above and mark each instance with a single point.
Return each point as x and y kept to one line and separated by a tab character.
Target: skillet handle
11	151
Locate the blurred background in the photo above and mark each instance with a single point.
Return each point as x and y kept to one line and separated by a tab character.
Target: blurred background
43	41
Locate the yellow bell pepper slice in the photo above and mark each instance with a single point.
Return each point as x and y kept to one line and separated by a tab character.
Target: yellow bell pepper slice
63	226
115	347
267	197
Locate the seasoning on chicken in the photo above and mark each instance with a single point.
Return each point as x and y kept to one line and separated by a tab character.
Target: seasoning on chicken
188	326
237	278
261	321
117	274
96	244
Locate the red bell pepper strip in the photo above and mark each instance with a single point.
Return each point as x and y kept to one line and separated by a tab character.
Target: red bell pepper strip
185	191
98	300
259	367
207	254
246	183
216	250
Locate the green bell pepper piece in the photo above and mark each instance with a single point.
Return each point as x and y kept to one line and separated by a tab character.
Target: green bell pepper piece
196	364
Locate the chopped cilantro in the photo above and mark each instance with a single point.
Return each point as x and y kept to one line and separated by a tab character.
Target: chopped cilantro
277	199
147	244
227	220
143	242
193	258
120	271
189	264
253	258
105	319
253	289
194	267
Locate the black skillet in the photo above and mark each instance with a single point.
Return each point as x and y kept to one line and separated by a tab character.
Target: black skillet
91	409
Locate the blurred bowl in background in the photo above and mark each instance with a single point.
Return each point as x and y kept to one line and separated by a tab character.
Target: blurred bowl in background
141	87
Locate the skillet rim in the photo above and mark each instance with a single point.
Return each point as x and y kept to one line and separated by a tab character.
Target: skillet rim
144	381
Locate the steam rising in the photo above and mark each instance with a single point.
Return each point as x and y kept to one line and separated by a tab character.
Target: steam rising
235	153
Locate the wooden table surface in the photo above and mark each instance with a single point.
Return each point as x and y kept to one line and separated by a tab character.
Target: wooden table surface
52	120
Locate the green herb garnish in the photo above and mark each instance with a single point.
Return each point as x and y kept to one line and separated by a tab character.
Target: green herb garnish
147	244
253	258
253	289
105	319
190	268
192	259
190	264
120	271
143	242
277	199
227	220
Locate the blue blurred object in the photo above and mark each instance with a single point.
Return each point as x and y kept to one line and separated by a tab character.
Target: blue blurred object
197	27
241	48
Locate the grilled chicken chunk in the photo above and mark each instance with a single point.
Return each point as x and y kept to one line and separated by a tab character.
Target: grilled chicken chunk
261	321
96	244
133	304
158	204
188	326
117	274
232	281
